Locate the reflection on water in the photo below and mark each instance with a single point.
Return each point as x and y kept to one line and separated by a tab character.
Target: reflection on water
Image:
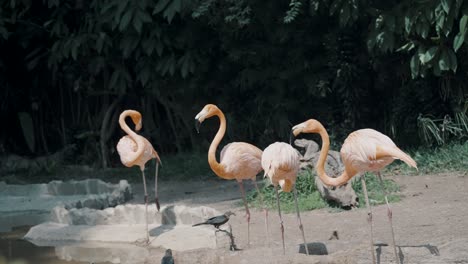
13	249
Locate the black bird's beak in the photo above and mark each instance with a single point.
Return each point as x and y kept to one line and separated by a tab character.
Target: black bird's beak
197	125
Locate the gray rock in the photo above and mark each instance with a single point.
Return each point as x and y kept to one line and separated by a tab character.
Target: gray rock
344	195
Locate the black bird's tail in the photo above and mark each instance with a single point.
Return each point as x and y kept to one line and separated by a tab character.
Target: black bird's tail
204	223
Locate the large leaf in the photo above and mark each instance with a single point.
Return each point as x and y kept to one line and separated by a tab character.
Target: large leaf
137	24
463	22
458	41
160	6
428	55
173	8
446	4
414	65
126	18
452	60
444	61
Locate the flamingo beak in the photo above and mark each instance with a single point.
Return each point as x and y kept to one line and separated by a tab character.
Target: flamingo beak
138	126
296	130
199	118
197	125
291	137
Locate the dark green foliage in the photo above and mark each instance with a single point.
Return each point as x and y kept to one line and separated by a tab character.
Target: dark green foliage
446	158
72	66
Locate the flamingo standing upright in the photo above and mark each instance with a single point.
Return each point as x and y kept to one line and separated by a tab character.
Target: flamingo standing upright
364	150
281	162
238	160
136	150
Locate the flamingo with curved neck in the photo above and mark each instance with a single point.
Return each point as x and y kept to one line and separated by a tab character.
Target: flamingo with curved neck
135	150
364	150
238	160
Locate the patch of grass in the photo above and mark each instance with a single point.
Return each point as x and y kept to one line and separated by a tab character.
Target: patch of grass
445	158
374	190
309	198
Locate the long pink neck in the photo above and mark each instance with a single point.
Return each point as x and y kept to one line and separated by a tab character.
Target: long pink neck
343	178
134	136
217	168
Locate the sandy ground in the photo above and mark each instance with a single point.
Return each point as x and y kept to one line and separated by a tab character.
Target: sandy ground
431	225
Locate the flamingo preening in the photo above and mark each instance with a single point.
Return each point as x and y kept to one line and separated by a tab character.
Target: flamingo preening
238	160
281	162
136	150
364	150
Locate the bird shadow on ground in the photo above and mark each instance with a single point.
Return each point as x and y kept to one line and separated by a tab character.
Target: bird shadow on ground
160	230
434	250
168	221
168	216
315	248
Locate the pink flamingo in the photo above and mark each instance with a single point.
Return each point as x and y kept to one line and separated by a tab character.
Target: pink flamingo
239	160
364	150
281	162
136	150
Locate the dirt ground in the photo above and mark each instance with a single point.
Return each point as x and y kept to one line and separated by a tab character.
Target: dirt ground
431	225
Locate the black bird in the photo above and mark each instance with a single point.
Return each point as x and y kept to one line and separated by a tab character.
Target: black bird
217	221
167	259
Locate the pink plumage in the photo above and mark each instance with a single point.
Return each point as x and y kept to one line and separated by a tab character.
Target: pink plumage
238	160
370	150
241	160
281	162
127	148
364	150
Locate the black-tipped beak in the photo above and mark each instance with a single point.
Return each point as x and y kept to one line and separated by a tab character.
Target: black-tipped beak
291	137
197	125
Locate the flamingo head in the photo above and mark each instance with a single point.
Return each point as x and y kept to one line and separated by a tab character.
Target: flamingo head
208	111
135	116
309	126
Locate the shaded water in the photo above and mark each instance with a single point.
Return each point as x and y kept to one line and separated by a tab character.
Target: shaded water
14	249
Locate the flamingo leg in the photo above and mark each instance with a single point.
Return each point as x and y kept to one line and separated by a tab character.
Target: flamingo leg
300	222
389	214
369	217
281	218
146	204
264	209
156	196
247	212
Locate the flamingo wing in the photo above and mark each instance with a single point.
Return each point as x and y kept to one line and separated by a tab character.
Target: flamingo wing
241	160
126	147
280	162
370	150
